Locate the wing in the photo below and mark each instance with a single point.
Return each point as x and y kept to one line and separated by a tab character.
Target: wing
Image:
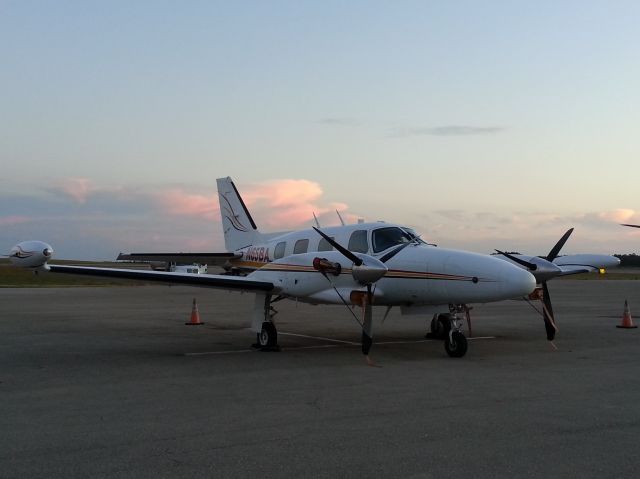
236	283
585	263
217	259
566	270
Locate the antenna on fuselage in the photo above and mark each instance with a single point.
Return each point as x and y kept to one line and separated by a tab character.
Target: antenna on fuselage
341	220
316	220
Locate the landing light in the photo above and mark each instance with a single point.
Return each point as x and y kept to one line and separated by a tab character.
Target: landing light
602	271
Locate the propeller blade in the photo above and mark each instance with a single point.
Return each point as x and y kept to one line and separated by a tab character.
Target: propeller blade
345	252
367	322
393	252
553	254
632	226
547	313
515	259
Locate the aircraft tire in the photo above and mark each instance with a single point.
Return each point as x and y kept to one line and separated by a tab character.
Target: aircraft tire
457	346
268	337
440	326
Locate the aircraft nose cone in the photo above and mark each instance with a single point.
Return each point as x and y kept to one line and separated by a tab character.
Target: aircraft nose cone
517	282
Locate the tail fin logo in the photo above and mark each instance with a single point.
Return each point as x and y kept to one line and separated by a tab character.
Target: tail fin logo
230	214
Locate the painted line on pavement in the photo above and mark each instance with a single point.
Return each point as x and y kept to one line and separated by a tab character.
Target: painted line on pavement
327	346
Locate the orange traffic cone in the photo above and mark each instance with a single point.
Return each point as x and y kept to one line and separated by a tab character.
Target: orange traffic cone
627	322
195	315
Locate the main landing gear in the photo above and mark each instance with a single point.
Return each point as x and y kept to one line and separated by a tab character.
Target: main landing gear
447	326
263	325
268	337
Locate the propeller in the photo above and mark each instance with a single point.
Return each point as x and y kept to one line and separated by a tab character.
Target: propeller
367	322
544	269
366	270
345	252
553	254
527	264
547	312
632	226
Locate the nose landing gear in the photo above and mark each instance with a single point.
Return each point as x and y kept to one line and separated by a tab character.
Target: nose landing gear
456	344
447	326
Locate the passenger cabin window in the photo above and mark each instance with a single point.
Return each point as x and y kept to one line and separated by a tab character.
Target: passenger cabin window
385	238
358	242
301	246
278	252
324	245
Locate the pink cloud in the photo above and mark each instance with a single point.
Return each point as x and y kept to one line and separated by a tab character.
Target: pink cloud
289	203
274	205
283	192
178	202
78	189
13	220
620	215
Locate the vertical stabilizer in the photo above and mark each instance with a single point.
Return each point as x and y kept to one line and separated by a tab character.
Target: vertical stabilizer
239	228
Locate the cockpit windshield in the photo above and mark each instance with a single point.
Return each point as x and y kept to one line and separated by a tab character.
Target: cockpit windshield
414	235
384	238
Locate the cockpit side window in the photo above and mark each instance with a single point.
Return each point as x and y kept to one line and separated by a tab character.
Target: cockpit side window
385	238
358	241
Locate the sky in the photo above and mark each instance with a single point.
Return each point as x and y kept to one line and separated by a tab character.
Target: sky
482	125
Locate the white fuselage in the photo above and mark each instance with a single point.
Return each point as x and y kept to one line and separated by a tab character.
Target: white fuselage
418	275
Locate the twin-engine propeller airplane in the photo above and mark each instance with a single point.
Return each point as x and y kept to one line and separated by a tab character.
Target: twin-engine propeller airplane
362	264
545	268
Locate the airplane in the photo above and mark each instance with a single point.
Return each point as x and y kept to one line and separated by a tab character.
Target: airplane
363	264
546	268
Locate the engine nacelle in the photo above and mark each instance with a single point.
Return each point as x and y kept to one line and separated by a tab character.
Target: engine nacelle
31	254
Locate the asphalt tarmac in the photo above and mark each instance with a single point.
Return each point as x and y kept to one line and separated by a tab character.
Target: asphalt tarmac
109	382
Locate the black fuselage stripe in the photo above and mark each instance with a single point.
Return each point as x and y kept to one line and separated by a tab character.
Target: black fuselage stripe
433	276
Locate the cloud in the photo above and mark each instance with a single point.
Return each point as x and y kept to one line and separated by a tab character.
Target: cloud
288	203
535	232
98	221
77	189
456	215
13	220
176	201
339	121
620	215
448	130
275	204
